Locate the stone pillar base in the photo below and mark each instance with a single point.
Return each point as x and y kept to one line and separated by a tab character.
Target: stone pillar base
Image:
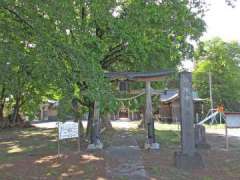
188	162
96	146
200	137
203	146
154	146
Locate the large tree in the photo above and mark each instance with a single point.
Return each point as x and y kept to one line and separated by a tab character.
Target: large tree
76	41
222	59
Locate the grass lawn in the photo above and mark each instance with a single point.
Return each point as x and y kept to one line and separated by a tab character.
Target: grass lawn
32	154
219	163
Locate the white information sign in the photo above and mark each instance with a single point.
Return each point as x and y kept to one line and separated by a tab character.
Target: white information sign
232	120
67	130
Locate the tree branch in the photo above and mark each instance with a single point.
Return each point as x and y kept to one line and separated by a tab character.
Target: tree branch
111	61
20	19
2	94
113	52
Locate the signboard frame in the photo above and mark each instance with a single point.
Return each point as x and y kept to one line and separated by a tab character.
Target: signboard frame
231	122
65	129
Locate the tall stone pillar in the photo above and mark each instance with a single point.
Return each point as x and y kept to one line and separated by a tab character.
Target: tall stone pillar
186	112
188	157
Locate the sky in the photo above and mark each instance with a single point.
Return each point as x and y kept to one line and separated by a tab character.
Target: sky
222	21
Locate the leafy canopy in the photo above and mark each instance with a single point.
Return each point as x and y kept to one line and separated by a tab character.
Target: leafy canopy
222	59
68	45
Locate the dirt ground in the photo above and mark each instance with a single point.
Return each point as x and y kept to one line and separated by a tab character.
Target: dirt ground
219	163
32	154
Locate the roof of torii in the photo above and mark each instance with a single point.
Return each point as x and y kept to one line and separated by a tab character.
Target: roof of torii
139	76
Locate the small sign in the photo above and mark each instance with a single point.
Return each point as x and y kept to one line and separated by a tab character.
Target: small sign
232	120
67	130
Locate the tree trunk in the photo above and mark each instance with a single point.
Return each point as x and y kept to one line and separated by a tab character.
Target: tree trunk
1	111
90	118
106	121
2	103
15	114
142	121
80	126
142	117
2	122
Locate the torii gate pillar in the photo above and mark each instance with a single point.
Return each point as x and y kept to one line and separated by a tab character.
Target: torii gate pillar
149	121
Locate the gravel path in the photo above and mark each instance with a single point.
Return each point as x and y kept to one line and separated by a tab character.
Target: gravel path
124	159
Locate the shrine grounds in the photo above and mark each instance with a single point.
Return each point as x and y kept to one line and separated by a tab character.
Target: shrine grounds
32	154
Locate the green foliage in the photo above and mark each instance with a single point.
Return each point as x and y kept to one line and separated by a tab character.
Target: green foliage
54	48
222	60
65	111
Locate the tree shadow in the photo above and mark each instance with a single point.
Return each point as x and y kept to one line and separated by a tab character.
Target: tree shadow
220	164
32	154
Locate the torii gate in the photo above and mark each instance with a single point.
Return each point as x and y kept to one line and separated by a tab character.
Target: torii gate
188	157
147	78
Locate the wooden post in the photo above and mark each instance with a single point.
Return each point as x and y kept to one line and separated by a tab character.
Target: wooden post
58	140
79	136
226	136
220	117
210	94
41	112
197	118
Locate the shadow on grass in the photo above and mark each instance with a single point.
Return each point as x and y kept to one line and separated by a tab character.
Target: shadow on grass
30	141
32	154
220	164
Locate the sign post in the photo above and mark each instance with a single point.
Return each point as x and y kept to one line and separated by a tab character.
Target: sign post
68	130
232	120
79	142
